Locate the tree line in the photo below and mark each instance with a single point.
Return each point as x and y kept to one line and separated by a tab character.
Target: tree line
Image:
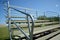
48	18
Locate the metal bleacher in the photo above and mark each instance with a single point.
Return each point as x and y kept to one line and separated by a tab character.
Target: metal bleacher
31	29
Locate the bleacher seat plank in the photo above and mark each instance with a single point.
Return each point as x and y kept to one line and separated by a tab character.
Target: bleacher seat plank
48	36
24	21
38	29
56	37
42	29
36	24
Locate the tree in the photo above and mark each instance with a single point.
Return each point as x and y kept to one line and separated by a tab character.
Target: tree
41	18
48	18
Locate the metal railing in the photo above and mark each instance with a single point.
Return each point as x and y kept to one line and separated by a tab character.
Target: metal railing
31	28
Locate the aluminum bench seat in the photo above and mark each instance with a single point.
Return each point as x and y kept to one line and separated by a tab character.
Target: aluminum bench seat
36	24
48	36
37	30
25	21
56	37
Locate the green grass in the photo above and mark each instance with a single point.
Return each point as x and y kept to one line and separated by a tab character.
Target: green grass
4	34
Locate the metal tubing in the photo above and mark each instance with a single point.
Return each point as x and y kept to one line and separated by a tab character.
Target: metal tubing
9	22
19	11
31	33
32	28
21	30
9	25
29	24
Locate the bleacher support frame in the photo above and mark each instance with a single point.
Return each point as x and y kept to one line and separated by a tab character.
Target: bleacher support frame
28	16
30	28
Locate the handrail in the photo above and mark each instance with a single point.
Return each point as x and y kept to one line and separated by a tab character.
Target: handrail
32	27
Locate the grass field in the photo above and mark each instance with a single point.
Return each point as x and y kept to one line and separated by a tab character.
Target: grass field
4	34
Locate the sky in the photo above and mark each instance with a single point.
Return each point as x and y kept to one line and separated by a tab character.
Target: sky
40	5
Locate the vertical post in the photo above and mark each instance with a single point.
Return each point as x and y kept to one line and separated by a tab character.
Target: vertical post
44	16
36	14
25	12
9	21
27	18
32	28
58	18
28	25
